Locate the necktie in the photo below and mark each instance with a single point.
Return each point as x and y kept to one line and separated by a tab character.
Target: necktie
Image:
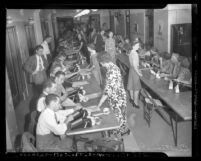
56	118
40	64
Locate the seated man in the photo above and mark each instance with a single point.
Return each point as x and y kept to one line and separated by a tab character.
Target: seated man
48	129
61	91
49	87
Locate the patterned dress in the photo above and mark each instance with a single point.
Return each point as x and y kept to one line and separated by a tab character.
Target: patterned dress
116	93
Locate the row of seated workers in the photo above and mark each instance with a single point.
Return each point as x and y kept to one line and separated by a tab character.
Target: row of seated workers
51	77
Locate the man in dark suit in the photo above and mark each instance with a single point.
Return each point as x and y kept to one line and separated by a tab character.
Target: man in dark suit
36	66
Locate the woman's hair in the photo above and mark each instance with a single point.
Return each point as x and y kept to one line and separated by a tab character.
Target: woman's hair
104	57
37	48
92	46
58	74
49	98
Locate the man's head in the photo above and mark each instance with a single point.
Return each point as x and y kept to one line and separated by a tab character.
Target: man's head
39	50
48	39
59	77
136	46
49	86
52	101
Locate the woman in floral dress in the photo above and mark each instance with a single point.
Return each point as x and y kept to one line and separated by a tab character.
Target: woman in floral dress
115	94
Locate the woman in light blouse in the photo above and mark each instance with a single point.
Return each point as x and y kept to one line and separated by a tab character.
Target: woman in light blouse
110	46
134	84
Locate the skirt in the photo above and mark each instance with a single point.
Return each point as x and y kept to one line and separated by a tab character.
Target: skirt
133	80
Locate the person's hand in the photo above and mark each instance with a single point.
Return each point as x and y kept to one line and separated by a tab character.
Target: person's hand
68	119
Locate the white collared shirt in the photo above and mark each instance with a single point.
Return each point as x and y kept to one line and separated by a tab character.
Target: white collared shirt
39	61
41	103
47	124
134	59
46	49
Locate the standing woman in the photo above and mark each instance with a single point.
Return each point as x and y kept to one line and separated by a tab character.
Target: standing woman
115	93
134	84
110	47
99	42
96	71
83	48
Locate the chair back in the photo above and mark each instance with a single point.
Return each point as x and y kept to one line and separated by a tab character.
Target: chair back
28	142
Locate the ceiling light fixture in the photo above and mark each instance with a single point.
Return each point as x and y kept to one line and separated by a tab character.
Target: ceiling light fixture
82	13
94	10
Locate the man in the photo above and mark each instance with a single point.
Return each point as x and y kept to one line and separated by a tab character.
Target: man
46	51
48	129
36	66
49	87
61	91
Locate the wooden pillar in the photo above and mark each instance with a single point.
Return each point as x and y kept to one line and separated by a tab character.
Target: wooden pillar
11	122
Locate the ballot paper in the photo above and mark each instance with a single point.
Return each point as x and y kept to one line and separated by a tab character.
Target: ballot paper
158	102
147	100
152	72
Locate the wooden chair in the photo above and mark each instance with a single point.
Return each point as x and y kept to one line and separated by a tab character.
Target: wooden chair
28	143
105	145
150	104
33	122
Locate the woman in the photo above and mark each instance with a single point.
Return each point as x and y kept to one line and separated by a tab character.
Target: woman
110	47
83	48
134	84
93	35
99	42
96	71
115	93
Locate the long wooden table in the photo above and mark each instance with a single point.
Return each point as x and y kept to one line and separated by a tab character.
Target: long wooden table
179	103
108	122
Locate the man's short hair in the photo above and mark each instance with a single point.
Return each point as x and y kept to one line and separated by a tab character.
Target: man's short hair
50	97
48	84
37	48
59	73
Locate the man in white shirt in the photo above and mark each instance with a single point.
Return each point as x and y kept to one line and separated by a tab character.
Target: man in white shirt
49	87
48	129
46	50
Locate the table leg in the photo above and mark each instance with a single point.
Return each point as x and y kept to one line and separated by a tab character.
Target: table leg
75	143
174	129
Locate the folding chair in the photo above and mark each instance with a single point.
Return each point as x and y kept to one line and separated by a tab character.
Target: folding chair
150	104
33	122
28	143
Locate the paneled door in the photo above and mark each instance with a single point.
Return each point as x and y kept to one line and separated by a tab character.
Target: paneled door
14	65
31	40
181	38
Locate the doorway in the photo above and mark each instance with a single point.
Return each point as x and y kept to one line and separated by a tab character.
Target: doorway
149	25
14	65
181	39
64	24
31	40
